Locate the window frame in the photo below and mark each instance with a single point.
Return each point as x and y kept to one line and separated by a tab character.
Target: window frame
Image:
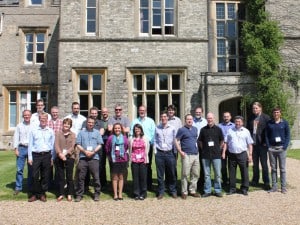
163	25
157	92
89	92
29	104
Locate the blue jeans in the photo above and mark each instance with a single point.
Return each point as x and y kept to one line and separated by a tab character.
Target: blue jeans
21	160
260	153
279	157
165	161
216	163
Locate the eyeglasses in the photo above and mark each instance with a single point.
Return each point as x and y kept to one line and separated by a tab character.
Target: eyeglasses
118	109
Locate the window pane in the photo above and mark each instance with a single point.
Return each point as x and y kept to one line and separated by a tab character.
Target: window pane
221	47
97	82
91	13
29	48
97	101
163	102
33	98
169	30
157	17
91	3
137	82
232	65
241	11
176	102
84	104
39	57
12	114
231	29
220	29
91	26
231	47
156	3
40	37
169	16
23	100
29	37
220	10
231	10
150	81
163	82
169	3
137	101
221	65
175	82
156	31
150	99
36	2
13	96
83	82
40	47
144	3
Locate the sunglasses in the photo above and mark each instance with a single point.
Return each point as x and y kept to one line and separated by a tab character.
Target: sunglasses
118	109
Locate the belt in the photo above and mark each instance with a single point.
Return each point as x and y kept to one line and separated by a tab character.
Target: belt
164	151
23	145
41	153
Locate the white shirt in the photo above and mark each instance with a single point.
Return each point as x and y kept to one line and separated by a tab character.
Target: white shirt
77	121
21	135
35	120
238	140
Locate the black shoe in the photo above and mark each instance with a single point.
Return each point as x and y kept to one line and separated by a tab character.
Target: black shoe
78	199
174	195
159	197
205	195
96	198
136	198
220	195
231	192
244	192
142	198
267	187
254	184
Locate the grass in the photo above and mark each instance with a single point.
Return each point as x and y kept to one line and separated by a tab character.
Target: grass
8	171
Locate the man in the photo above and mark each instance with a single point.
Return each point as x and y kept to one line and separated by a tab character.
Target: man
172	119
277	141
148	125
165	158
21	140
118	117
89	143
186	144
256	125
76	117
40	157
105	134
93	112
225	126
239	142
210	141
199	122
55	122
40	106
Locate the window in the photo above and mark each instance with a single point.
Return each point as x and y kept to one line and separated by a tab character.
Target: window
20	99
229	19
35	2
157	17
35	48
91	15
157	90
90	90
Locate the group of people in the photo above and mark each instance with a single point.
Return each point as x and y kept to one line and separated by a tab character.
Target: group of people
86	143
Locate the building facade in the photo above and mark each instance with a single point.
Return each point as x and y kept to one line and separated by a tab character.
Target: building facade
132	52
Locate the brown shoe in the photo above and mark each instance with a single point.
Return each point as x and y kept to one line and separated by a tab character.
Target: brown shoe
160	197
195	195
183	196
43	198
32	198
174	195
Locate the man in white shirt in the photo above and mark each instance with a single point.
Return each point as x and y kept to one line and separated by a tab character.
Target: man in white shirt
76	117
40	106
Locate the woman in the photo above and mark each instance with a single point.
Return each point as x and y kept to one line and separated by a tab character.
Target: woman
117	152
138	149
64	147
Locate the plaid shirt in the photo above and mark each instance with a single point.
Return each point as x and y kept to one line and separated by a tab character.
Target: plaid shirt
56	126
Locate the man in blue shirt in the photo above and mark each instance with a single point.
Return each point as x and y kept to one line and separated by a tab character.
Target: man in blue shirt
277	140
225	126
40	157
89	143
148	125
186	144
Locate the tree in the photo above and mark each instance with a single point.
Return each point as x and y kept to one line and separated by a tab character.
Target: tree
261	41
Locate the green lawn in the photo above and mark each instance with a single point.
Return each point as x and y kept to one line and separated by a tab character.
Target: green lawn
8	170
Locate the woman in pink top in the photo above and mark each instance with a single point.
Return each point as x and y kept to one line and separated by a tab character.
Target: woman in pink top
117	152
138	149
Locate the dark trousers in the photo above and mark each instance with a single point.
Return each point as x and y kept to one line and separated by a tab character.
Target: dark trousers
65	176
102	166
200	183
224	169
260	154
139	179
149	168
240	160
41	166
83	166
166	161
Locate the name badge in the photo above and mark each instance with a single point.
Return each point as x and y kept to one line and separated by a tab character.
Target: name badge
164	145
277	139
65	151
117	148
138	156
89	148
211	143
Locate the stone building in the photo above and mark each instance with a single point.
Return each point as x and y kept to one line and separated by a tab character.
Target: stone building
153	52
